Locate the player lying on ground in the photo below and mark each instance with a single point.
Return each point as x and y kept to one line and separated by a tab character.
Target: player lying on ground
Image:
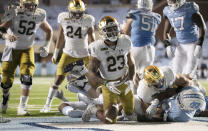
160	80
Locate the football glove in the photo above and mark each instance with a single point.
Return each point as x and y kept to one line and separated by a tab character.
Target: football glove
55	56
198	51
111	86
151	110
130	84
44	51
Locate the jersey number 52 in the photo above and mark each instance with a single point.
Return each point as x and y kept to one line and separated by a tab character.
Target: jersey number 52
26	27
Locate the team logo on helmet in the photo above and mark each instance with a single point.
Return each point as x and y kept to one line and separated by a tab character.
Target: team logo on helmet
29	6
108	28
153	76
76	8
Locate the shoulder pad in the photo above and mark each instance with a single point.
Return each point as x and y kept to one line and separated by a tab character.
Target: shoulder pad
8	15
62	16
89	20
41	13
195	7
165	10
126	40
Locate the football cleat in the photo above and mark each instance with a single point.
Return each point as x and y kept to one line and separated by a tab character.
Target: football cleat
4	103
45	109
89	112
4	120
22	111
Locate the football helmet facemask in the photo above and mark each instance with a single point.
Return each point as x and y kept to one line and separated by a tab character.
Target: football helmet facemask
175	4
108	28
29	6
153	77
145	4
76	8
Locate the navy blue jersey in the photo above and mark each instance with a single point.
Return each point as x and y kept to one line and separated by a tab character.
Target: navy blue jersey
181	20
143	27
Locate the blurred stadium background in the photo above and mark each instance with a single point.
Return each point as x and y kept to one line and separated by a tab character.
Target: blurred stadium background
45	70
99	8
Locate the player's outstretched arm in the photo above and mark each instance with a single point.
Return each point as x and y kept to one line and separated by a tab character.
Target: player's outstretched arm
59	44
198	19
91	35
131	65
3	32
44	50
127	27
94	79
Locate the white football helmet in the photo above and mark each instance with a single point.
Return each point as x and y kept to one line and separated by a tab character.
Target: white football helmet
175	4
191	99
145	4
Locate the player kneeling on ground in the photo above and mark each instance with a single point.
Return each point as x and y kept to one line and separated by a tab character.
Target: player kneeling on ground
112	58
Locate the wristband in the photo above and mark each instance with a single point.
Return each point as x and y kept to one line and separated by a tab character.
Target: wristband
167	43
105	82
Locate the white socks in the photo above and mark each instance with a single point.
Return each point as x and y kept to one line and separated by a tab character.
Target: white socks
23	101
52	92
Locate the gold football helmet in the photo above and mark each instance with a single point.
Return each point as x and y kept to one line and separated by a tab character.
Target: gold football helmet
153	76
76	8
29	5
108	28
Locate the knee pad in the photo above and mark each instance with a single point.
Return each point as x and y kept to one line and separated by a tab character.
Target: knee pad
28	87
6	86
111	114
26	79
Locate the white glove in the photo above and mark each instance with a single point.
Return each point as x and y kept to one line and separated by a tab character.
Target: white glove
44	51
55	56
151	110
130	84
170	52
111	86
198	51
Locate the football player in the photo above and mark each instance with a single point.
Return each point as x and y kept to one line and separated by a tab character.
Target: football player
19	32
186	20
141	25
77	29
159	84
112	66
76	109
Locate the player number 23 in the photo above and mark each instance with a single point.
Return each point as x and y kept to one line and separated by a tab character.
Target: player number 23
113	60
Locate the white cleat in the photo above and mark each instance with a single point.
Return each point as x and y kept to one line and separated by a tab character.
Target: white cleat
22	111
89	112
45	109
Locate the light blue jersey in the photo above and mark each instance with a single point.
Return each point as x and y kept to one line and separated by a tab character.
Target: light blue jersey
181	20
143	27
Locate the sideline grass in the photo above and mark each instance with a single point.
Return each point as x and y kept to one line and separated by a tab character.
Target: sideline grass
37	99
38	95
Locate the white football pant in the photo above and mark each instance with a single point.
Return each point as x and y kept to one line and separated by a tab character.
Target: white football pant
143	57
184	61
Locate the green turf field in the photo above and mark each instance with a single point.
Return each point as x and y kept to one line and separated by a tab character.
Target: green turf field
38	96
37	99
